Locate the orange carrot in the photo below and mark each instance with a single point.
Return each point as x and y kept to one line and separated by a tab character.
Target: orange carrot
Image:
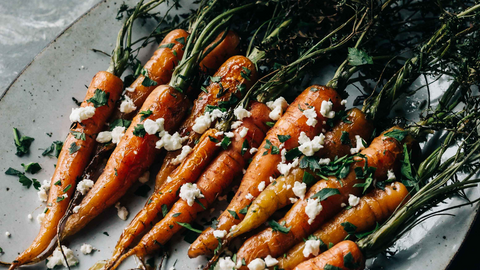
159	69
189	170
218	176
230	74
132	156
217	56
345	255
73	159
264	163
384	154
373	208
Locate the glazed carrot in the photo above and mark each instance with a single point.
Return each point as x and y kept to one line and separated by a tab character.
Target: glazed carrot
218	176
217	56
384	154
373	208
292	123
345	255
189	170
159	69
230	74
278	195
72	160
132	156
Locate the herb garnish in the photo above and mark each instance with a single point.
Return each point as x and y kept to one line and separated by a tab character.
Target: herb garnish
22	143
99	99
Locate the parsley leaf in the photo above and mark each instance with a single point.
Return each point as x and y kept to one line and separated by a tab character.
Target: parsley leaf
245	73
119	123
349	227
349	261
78	135
22	143
244	210
331	267
186	225
245	146
345	138
358	57
145	114
164	210
32	167
139	131
73	148
226	142
283	138
292	154
234	214
277	227
12	171
325	193
99	99
168	45
397	134
213	139
181	40
308	178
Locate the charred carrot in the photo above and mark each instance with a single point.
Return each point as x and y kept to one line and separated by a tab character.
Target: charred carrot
309	213
264	163
345	255
283	192
373	209
218	176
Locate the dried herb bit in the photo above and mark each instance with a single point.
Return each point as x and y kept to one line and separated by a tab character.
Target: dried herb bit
142	191
145	114
99	99
139	131
234	214
186	225
357	57
54	148
345	138
397	134
22	143
245	73
283	138
325	193
78	135
32	167
277	227
73	148
106	233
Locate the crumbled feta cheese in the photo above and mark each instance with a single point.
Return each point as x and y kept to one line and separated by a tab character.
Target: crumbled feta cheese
76	209
249	196
359	145
8	234
241	113
343	102
104	137
243	132
326	109
203	122
144	178
311	115
225	264
270	261
390	175
117	134
57	258
171	142
218	134
82	113
299	189
84	186
86	249
257	264
169	179
324	161
42	195
40	218
185	151
253	150
277	107
313	208
127	105
285	168
189	192
219	233
343	204
244	171
261	186
122	211
229	134
311	247
293	200
30	217
233	228
310	147
236	124
130	89
152	127
353	200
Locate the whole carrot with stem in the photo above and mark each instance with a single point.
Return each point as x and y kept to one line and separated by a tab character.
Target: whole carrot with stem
102	94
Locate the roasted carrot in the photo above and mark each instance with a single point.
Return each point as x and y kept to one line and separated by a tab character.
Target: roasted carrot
73	159
159	68
383	154
218	176
264	163
132	156
345	255
231	75
189	170
217	56
373	208
279	195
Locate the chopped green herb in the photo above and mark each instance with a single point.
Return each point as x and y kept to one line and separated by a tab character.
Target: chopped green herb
215	79
244	210
345	138
58	183
245	147
181	40
145	114
106	233
55	147
22	143
325	193
60	198
168	45
176	214
186	225
397	134
245	73
349	227
78	135
148	82
276	227
76	101
292	154
233	213
67	188
283	138
268	144
213	139
73	148
12	171
119	123
139	131
99	99
226	142
349	261
308	178
275	150
270	124
164	210
331	267
204	89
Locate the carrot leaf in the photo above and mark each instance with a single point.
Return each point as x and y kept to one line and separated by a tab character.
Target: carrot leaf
99	99
277	227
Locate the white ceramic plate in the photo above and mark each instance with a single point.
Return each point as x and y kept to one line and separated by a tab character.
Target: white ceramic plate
39	102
